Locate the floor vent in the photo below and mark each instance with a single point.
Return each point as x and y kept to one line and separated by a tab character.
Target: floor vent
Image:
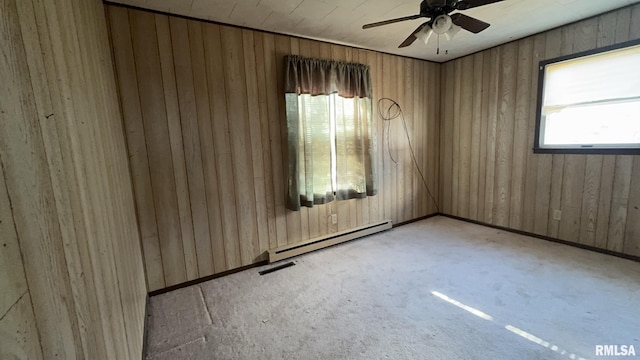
325	241
276	268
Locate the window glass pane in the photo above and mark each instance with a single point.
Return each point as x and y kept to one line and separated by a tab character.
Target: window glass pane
349	145
615	123
334	170
591	101
315	143
612	75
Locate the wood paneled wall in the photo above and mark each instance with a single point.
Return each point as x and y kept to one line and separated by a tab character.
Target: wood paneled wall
489	172
203	107
18	334
71	272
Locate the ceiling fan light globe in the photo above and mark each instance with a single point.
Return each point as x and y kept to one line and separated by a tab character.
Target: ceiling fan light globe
442	24
452	32
425	34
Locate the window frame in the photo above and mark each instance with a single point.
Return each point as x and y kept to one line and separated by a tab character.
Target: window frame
537	149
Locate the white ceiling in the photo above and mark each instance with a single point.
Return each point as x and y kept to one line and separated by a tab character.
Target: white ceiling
340	21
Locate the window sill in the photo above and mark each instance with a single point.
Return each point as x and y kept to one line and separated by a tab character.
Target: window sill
587	151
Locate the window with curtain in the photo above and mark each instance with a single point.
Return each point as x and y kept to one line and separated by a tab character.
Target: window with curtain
331	137
589	102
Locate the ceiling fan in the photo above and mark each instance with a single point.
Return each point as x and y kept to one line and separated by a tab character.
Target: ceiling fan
440	22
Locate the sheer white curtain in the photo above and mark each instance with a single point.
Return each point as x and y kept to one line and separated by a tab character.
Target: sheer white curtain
331	140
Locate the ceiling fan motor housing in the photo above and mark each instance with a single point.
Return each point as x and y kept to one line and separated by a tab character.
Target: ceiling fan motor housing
461	5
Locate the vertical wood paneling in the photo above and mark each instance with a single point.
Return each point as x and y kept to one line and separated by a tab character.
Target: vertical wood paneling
418	127
604	203
391	159
177	148
553	49
31	188
210	125
184	136
228	242
603	187
303	214
597	194
589	211
446	138
531	200
273	61
55	148
65	176
632	232
156	132
136	146
492	113
18	333
455	152
585	201
464	160
261	241
376	210
231	39
530	197
432	77
77	137
520	133
623	166
387	142
504	134
364	216
211	227
405	91
12	279
574	186
265	141
619	202
476	120
484	127
408	172
202	154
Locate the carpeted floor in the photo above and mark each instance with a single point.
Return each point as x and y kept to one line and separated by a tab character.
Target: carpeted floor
435	289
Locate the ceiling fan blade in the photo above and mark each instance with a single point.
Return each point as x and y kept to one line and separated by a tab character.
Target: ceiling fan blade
468	4
386	22
411	38
468	23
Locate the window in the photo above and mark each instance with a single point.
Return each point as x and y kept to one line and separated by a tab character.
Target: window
331	144
590	102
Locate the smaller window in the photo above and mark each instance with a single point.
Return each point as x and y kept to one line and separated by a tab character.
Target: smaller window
590	102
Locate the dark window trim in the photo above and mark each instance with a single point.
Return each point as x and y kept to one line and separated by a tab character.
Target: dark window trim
586	150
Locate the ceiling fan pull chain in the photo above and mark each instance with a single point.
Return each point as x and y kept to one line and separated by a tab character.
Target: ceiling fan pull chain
438	49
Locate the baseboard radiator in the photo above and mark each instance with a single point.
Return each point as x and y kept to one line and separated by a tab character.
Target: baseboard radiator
327	240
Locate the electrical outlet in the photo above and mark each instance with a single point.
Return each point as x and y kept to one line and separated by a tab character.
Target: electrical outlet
334	218
557	214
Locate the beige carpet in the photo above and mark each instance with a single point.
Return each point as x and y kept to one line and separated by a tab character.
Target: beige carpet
435	289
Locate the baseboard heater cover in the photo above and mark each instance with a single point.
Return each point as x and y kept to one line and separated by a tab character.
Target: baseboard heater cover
288	251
